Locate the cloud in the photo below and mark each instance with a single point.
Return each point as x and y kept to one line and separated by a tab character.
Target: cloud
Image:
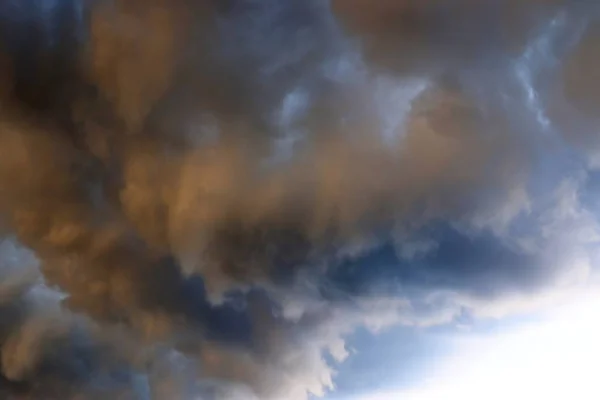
204	200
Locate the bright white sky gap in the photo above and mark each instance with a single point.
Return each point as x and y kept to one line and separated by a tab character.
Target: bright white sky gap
554	359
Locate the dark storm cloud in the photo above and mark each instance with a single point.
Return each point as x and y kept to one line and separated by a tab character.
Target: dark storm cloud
415	36
218	193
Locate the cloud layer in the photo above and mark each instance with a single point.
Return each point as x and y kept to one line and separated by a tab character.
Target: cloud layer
204	199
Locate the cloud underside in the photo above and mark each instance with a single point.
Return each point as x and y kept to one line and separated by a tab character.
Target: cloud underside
203	200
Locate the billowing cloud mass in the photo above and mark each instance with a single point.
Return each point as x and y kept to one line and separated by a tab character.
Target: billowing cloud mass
203	199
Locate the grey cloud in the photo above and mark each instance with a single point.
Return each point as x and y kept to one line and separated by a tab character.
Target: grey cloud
228	190
46	351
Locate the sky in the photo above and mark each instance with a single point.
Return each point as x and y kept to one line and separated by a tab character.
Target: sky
553	357
298	199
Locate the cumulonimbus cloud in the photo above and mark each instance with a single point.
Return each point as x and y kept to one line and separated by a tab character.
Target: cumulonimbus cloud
203	199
